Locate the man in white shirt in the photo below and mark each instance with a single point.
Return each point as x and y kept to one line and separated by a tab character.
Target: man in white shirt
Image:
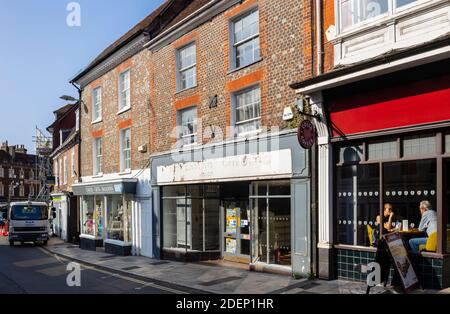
428	224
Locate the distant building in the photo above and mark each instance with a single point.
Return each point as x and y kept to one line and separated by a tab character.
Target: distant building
18	177
64	155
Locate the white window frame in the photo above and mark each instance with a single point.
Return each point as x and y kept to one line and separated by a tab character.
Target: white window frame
77	120
180	71
72	162
234	113
181	137
123	150
98	158
234	45
391	12
65	170
122	77
97	100
61	181
56	173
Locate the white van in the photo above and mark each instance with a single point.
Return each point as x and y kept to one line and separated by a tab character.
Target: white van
29	222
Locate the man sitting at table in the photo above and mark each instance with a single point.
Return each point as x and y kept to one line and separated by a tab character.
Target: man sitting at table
428	224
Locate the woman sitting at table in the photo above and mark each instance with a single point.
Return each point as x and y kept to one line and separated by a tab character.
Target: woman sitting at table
428	224
390	219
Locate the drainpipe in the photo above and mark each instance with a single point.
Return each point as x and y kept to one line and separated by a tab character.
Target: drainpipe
314	154
319	36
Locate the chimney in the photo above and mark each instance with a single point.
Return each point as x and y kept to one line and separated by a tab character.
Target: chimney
12	151
21	149
4	146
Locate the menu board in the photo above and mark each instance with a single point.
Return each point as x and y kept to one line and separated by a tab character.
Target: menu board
401	261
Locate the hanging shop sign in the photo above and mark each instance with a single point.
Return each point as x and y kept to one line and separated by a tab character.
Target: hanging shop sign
306	134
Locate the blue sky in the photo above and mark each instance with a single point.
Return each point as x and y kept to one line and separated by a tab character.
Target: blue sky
39	54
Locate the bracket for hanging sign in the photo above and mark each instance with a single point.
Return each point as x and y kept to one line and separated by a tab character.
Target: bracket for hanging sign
300	104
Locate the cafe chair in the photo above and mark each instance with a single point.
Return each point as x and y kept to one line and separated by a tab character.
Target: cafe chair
370	234
431	245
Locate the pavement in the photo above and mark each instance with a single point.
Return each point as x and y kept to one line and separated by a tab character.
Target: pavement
43	270
210	278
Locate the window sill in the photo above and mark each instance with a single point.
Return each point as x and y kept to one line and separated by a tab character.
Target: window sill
125	172
187	147
97	121
245	66
117	242
123	110
186	89
355	248
248	135
100	175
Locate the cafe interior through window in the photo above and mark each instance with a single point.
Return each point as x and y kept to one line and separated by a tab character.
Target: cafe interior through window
400	173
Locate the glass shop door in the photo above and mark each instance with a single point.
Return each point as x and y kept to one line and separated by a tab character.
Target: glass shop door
236	231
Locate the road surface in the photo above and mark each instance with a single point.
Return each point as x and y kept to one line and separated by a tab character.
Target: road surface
31	270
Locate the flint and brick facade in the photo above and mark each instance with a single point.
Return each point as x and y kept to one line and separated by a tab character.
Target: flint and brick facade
286	56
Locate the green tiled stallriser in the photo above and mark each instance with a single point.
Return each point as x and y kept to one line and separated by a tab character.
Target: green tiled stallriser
428	270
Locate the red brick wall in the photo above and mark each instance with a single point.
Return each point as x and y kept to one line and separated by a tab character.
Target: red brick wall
328	20
286	50
72	177
137	118
285	36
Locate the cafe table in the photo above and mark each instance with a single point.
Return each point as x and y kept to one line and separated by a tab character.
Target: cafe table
411	234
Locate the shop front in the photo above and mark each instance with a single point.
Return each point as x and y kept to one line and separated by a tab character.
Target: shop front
106	215
66	223
385	143
245	202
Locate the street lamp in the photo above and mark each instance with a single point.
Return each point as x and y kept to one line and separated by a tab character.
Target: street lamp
68	98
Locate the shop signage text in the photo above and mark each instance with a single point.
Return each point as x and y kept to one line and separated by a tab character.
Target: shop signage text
267	164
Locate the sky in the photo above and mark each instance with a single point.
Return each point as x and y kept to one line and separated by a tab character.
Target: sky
40	53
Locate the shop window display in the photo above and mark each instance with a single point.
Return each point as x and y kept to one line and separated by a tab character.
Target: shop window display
406	184
190	218
358	201
119	219
88	216
99	220
271	232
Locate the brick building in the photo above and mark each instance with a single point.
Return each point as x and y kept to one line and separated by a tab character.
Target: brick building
185	153
229	178
18	177
115	195
382	90
65	151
